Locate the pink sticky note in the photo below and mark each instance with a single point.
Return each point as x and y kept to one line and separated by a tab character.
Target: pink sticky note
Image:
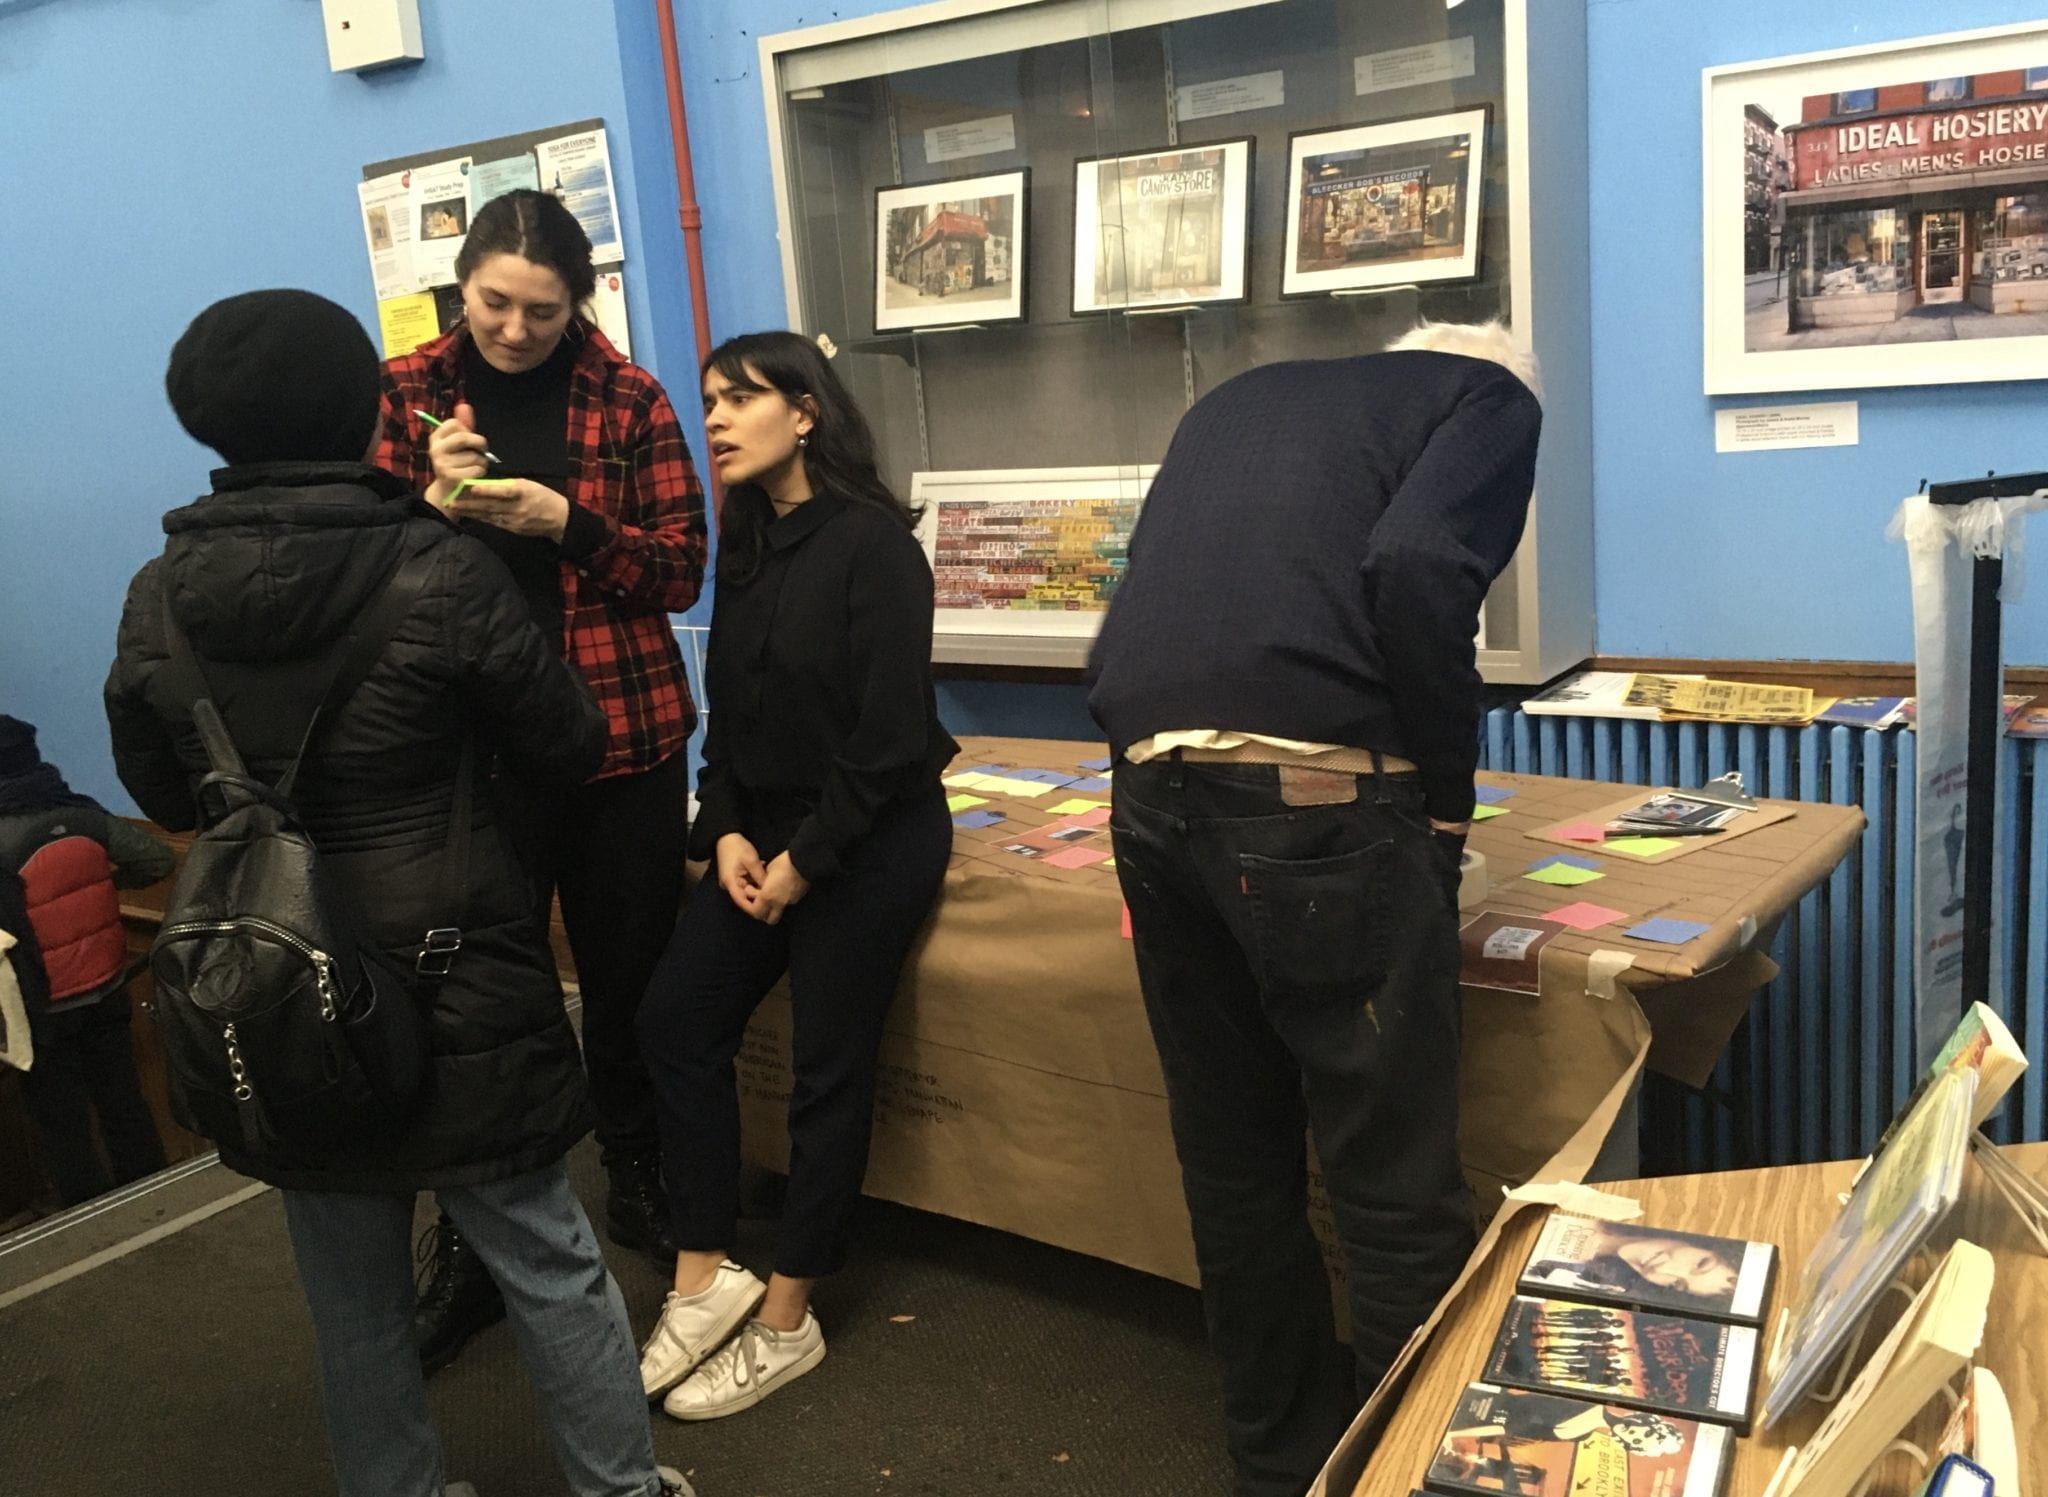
1127	922
1583	916
1583	831
1075	857
1095	817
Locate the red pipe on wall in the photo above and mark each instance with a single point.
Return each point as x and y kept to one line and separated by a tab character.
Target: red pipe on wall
688	212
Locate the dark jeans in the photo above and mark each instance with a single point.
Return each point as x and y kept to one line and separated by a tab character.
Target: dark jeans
1300	971
85	1064
613	850
843	946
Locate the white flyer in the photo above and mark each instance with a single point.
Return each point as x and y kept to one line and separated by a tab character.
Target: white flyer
987	137
386	204
1201	101
440	219
608	307
578	170
1405	67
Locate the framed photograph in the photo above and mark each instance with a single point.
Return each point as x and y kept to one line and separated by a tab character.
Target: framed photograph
1878	215
1027	551
1163	228
951	252
1384	205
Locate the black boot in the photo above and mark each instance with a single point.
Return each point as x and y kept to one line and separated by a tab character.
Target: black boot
636	1207
460	1297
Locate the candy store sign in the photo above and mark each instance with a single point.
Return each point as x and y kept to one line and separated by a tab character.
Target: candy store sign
1923	145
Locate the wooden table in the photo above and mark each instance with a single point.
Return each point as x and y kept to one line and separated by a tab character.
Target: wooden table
1791	1206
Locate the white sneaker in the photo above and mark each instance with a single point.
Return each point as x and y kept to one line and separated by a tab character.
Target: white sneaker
751	1366
673	1484
692	1326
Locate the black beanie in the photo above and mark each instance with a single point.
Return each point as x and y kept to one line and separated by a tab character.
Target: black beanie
276	376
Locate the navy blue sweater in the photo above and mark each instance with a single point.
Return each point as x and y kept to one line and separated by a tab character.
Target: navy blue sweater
1312	559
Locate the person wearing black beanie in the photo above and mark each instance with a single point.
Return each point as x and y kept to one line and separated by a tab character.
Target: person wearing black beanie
276	376
269	579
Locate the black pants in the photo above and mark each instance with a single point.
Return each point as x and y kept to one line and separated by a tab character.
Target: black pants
1300	970
843	946
85	1064
614	850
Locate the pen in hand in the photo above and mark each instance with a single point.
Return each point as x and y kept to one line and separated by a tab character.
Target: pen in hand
435	422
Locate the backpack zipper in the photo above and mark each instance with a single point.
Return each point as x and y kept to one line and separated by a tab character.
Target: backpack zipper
323	964
240	1072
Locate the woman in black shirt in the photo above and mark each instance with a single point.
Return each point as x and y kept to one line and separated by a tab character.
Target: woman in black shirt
821	809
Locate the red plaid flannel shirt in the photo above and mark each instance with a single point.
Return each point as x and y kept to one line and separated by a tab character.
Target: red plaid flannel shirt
632	471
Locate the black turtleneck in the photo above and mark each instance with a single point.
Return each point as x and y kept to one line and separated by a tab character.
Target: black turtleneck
525	419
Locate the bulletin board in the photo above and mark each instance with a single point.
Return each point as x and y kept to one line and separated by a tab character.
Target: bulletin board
415	212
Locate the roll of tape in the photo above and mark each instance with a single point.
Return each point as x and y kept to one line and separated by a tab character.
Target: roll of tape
1472	884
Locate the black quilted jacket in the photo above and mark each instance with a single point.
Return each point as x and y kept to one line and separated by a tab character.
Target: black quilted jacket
264	575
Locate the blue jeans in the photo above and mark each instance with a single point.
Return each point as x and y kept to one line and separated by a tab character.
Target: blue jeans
1297	946
354	1253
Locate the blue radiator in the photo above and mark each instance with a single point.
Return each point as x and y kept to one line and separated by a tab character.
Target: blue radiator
1826	1053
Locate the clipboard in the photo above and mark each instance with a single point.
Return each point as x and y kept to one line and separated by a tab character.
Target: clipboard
1742	826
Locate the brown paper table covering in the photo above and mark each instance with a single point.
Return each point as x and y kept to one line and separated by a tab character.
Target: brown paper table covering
1019	1087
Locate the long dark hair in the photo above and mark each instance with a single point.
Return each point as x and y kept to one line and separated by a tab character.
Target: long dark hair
839	453
534	226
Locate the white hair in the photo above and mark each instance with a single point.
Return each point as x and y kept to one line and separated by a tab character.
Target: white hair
1493	341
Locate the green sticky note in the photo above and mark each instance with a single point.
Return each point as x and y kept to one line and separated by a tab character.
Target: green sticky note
1640	847
963	802
1487	813
1562	874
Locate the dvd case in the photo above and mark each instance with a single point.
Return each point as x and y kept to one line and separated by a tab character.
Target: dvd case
1670	1364
1650	1268
1514	1441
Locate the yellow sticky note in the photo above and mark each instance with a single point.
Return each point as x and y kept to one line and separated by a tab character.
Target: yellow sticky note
1029	789
1563	874
964	802
965	781
1077	805
1109	863
1640	847
1487	813
405	322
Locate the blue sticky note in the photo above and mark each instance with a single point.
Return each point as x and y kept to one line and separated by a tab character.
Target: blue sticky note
1589	864
1487	795
987	769
1091	785
1095	764
1041	776
1669	932
975	820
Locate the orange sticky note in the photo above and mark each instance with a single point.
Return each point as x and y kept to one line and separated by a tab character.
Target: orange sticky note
1127	922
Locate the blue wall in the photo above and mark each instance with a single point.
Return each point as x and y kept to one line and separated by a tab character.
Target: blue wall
170	152
185	149
1761	555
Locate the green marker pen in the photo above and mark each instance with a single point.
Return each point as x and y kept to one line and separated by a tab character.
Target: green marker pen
435	422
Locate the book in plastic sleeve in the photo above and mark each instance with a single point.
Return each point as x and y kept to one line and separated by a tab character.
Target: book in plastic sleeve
1650	1268
1893	1208
1669	1364
1929	1345
1518	1443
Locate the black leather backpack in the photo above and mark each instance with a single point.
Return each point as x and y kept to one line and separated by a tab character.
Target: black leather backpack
281	1023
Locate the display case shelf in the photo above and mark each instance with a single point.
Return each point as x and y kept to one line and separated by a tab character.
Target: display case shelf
941	161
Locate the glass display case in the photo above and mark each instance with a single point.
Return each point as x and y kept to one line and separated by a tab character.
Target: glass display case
1038	230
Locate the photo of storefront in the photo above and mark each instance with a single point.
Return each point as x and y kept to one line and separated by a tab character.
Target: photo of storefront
1916	212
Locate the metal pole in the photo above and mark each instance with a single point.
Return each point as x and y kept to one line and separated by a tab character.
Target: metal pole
1986	717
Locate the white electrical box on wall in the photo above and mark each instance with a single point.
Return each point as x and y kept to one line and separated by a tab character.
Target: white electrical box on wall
364	34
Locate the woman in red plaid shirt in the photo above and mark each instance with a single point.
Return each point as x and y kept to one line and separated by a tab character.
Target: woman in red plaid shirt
568	462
